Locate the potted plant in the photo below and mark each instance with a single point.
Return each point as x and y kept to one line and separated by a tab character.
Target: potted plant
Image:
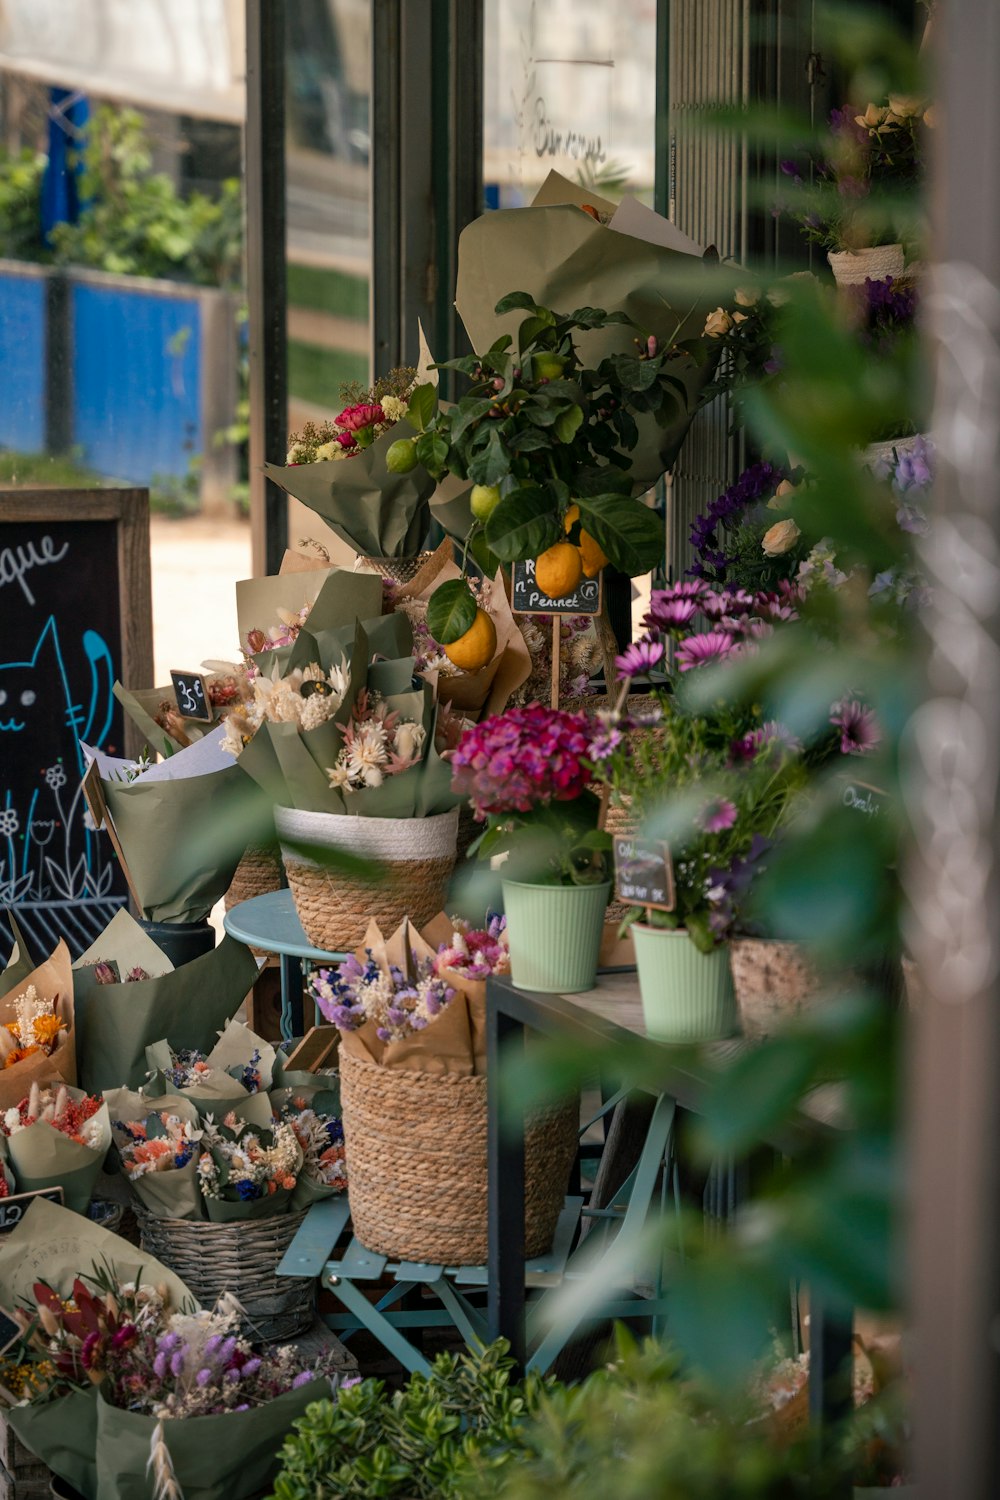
848	208
527	773
714	784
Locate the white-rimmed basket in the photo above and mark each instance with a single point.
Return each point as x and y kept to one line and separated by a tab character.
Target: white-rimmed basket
416	858
872	262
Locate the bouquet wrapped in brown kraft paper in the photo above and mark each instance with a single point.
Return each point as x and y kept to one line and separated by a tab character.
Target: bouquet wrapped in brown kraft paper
38	1029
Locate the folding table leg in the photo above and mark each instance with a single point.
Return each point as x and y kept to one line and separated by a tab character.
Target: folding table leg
378	1324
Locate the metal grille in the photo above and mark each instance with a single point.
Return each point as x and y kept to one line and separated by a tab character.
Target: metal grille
709	64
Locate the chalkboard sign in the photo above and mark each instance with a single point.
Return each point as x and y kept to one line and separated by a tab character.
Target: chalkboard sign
191	693
75	604
14	1208
862	798
526	598
644	873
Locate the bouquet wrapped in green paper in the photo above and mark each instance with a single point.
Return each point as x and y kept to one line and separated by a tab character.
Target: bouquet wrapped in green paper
57	1137
129	1387
344	472
181	826
118	1020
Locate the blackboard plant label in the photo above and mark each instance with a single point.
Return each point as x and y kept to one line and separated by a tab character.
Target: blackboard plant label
192	694
644	873
528	599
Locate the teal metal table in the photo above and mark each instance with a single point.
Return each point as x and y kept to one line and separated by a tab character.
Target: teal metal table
271	922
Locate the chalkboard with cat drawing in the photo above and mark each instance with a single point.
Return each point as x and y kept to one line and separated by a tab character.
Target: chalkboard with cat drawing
75	602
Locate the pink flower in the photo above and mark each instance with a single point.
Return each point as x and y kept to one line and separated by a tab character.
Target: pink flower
701	650
639	657
517	760
356	418
859	732
718	815
668	613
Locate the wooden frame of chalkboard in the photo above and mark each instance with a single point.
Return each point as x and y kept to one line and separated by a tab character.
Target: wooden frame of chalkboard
128	509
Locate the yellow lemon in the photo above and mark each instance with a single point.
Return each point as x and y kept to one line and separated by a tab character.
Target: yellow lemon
484	500
593	558
558	570
475	648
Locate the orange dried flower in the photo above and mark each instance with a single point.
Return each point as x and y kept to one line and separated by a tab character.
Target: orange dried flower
47	1029
19	1054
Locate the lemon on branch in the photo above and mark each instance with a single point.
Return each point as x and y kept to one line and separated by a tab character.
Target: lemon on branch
484	500
590	553
558	570
475	648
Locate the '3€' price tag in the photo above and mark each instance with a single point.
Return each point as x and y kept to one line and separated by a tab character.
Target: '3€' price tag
191	693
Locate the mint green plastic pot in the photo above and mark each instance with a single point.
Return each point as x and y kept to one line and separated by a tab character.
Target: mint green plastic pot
554	932
687	996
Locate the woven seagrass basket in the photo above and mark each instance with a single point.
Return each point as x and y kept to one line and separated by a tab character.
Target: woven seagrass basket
241	1258
258	872
773	981
416	1163
399	569
416	858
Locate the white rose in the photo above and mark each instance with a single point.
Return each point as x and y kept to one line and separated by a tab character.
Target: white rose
780	497
717	323
905	106
747	296
780	538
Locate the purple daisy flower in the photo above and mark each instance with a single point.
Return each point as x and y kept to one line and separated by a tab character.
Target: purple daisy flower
718	815
859	732
701	650
669	614
641	656
604	743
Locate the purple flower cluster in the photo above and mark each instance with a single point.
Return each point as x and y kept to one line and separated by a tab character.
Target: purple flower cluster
526	757
884	309
757	483
728	887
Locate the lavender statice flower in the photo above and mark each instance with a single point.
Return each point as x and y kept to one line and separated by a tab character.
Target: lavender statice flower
756	483
859	733
640	657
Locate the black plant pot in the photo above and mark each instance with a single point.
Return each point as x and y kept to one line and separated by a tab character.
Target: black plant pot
181	941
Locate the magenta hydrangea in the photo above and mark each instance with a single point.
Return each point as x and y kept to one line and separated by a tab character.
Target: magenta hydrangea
516	760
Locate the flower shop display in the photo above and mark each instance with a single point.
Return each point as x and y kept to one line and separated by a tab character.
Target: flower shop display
38	1029
57	1137
156	713
347	478
161	1395
240	1065
412	1064
526	773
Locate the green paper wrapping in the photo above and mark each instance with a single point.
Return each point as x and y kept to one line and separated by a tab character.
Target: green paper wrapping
377	513
234	1211
566	260
117	1022
173	1194
20	963
230	1457
336	597
142	706
182	840
62	1433
124	943
42	1157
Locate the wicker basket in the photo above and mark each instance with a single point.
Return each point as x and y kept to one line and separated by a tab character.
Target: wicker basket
773	981
241	1258
258	872
399	569
416	858
416	1163
873	262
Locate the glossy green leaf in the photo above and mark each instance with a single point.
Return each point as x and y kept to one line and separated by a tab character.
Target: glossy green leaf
567	424
523	525
627	531
451	611
423	405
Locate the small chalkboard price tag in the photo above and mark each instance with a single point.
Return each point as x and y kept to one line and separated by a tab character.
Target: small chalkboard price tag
860	797
14	1208
526	598
644	873
191	692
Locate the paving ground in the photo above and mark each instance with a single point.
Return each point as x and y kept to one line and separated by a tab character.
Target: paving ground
196	563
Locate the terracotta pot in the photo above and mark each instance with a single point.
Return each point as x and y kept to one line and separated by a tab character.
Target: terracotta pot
773	982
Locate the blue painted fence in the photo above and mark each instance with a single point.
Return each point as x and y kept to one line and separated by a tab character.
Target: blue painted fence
151	367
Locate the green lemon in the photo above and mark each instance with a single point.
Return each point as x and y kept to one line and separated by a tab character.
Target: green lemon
484	500
547	366
400	456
